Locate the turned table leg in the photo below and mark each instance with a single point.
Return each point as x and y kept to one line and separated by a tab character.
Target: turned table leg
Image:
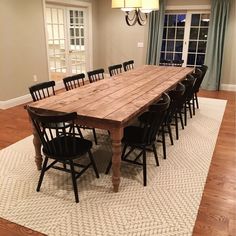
116	136
37	147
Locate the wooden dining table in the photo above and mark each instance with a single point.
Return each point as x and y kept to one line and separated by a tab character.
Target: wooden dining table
112	104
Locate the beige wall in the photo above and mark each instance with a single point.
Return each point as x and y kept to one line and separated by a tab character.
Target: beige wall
187	2
229	66
22	46
117	41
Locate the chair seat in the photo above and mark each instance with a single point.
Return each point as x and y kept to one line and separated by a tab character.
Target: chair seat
133	135
75	147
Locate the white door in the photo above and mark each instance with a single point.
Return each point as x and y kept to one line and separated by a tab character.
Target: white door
67	37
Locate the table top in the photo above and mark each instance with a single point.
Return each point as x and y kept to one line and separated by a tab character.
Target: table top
116	100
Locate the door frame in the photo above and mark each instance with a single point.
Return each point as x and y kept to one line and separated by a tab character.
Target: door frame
72	4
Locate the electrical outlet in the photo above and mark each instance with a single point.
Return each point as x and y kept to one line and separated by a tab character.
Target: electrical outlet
35	78
140	44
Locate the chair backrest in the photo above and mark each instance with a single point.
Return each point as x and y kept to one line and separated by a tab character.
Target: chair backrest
74	81
95	75
155	118
128	65
189	84
177	63
115	69
198	76
175	95
164	62
204	69
56	132
42	90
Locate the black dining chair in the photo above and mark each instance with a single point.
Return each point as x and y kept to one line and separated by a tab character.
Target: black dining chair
198	83
174	112
74	81
95	75
60	144
128	65
115	69
42	90
143	137
184	104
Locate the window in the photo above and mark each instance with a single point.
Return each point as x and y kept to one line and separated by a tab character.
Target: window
185	38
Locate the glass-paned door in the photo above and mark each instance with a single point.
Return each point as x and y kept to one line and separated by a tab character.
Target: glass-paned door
198	39
67	41
77	42
185	38
173	37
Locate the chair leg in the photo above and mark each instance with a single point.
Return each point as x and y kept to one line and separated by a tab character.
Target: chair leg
196	100
193	106
163	141
74	181
95	136
155	154
181	120
144	168
176	126
93	163
190	109
42	174
170	134
185	114
79	131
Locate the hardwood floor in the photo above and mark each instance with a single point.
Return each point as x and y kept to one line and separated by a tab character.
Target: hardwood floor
217	212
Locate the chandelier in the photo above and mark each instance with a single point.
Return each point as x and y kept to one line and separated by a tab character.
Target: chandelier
136	10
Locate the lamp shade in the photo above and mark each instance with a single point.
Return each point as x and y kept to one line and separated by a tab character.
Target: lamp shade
126	3
150	4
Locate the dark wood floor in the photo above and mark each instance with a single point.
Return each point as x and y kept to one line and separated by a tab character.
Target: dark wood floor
217	212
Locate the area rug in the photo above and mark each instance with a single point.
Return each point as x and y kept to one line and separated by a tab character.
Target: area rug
167	206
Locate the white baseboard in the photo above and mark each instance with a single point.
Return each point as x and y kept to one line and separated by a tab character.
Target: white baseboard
23	99
228	87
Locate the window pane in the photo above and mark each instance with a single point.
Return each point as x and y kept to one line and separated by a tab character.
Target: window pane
164	33
192	46
180	33
162	56
202	46
163	46
179	46
195	20
194	33
171	33
170	46
166	20
54	16
181	20
72	33
178	56
82	32
205	18
169	56
200	59
172	20
191	59
203	33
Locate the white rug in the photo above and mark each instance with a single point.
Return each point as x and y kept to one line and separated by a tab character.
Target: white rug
167	206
